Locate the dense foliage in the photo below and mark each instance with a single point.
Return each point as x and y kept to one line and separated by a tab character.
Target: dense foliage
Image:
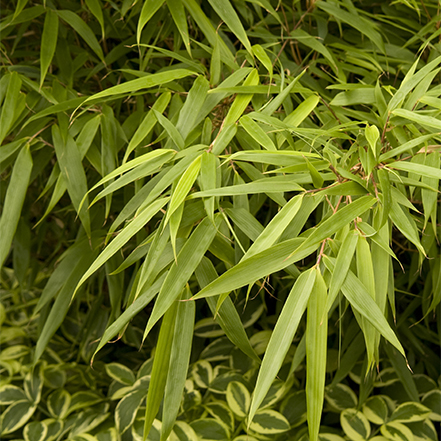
220	220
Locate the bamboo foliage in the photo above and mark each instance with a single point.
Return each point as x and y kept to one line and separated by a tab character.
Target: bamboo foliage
296	160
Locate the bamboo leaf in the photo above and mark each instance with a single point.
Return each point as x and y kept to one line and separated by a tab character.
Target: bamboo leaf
282	337
316	349
14	199
85	32
48	42
148	10
227	13
9	107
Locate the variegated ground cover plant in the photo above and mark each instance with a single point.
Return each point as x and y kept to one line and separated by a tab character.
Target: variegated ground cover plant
265	172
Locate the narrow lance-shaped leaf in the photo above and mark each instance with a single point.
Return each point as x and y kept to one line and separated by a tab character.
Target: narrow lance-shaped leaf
316	346
187	261
9	105
148	10
363	303
96	8
227	13
14	199
48	42
183	187
83	29
179	362
161	364
177	11
282	337
342	264
73	173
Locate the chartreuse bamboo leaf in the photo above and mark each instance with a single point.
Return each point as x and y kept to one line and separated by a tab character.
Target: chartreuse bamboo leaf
161	365
186	263
19	7
183	187
14	199
280	157
148	123
227	315
207	28
9	105
263	57
96	8
177	11
48	42
171	130
268	185
276	227
424	120
428	197
257	133
372	135
146	82
362	302
124	236
302	111
208	181
148	10
192	106
410	81
258	266
365	273
83	30
316	348
404	222
138	168
215	64
73	173
241	101
273	105
282	336
223	139
179	361
227	13
420	169
338	220
342	264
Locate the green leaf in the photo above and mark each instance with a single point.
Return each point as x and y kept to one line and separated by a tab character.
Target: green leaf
48	42
341	397
360	299
282	337
372	135
179	362
147	82
10	105
161	364
256	132
171	130
316	346
58	403
14	199
148	10
420	169
96	8
69	160
186	263
85	32
227	13
177	11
